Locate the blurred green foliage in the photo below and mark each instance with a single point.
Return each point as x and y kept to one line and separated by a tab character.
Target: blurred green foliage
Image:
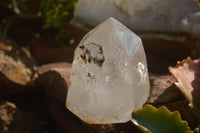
57	14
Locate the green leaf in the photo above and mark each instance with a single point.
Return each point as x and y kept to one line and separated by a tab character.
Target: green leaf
152	120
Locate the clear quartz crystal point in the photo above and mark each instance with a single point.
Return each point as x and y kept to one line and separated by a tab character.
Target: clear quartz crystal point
109	77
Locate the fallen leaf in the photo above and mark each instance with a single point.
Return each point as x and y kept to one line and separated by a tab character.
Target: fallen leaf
187	74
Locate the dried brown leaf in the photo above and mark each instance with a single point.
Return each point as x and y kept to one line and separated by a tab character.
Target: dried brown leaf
187	74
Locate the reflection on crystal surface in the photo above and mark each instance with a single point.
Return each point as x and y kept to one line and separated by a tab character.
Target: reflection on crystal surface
109	75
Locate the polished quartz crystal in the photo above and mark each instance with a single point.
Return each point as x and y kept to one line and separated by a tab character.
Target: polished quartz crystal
109	77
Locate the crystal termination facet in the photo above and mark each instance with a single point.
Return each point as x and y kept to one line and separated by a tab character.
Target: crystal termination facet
109	77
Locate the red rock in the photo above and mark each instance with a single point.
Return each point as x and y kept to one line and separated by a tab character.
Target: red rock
55	78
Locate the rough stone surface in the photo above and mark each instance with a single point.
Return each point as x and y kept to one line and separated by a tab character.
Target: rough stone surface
109	77
17	68
8	111
55	79
163	90
162	15
15	120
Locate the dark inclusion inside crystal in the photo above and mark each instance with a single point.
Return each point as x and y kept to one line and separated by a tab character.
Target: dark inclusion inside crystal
93	53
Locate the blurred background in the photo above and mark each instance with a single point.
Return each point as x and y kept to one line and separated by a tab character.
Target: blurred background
37	42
